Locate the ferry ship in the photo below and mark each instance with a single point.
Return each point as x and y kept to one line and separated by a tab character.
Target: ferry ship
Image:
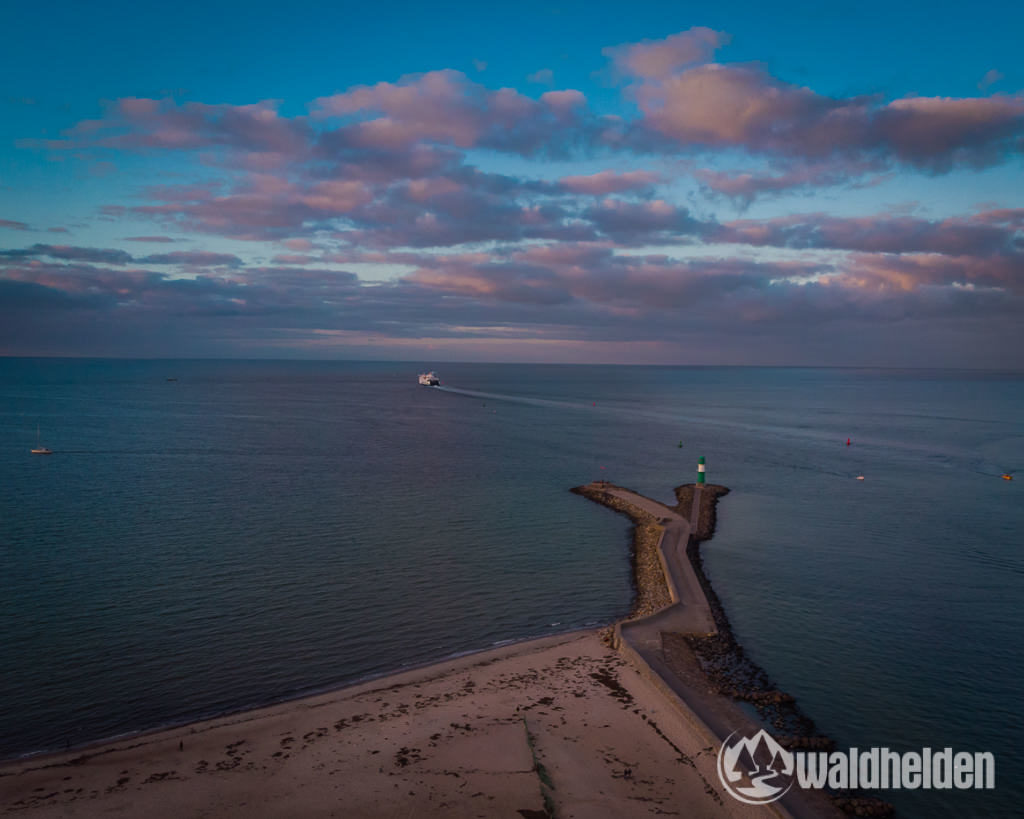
429	379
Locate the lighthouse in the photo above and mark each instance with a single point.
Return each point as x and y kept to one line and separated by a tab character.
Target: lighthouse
700	471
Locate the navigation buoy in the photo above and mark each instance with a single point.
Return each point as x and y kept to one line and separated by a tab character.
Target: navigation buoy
680	444
700	471
847	441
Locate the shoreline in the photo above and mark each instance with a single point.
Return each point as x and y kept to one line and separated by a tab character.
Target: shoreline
309	699
289	699
560	717
556	726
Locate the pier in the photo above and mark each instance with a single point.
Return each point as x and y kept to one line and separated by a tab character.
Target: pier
685	647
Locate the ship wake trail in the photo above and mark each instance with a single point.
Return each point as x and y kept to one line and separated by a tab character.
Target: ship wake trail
517	399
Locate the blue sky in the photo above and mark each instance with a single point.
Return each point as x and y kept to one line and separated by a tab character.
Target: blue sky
648	183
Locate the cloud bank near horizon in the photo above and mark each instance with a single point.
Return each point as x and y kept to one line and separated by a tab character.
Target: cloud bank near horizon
455	192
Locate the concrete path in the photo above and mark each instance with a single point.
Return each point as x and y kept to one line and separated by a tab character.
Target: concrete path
690	614
714	715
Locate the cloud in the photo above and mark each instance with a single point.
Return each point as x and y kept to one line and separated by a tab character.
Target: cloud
886	272
744	187
991	78
81	254
985	234
605	182
741	106
403	175
27	296
193	258
654	59
140	124
447	108
258	206
539	294
637	223
544	76
298	244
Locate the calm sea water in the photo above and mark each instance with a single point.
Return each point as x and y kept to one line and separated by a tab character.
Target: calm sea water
256	530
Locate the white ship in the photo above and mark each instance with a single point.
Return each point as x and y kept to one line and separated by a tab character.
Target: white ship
429	379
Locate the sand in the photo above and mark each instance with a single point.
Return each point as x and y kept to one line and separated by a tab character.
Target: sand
561	723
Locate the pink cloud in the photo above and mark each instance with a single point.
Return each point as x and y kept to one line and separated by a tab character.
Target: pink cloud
68	253
745	187
660	58
298	244
632	223
438	105
1011	217
259	206
193	258
883	272
940	130
12	225
422	190
976	236
606	182
335	196
446	107
991	78
294	259
563	101
742	106
148	124
583	274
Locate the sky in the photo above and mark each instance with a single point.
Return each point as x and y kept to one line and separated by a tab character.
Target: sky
645	183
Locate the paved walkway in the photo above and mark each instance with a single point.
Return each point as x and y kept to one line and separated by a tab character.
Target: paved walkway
691	614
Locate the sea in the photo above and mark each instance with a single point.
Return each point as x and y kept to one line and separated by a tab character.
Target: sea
209	536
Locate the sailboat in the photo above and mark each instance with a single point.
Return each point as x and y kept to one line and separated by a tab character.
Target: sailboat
39	448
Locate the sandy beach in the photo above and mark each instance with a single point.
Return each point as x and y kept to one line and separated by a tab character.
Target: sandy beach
561	724
622	722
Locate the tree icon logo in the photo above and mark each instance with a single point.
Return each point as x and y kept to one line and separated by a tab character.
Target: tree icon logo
756	770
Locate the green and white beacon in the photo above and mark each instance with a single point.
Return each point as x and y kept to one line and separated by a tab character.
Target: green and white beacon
700	471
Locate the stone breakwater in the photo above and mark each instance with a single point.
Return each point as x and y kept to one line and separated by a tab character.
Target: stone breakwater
727	669
651	591
722	658
708	504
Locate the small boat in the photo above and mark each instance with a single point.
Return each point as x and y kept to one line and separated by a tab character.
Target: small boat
860	477
1007	476
429	379
39	448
